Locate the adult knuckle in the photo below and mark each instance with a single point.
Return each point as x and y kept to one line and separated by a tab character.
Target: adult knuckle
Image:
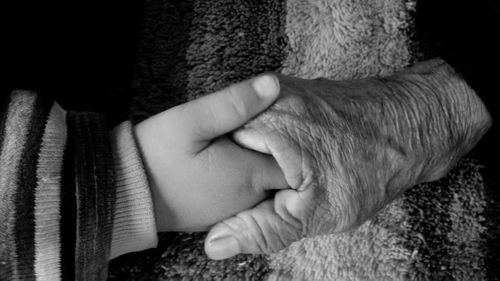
252	240
294	227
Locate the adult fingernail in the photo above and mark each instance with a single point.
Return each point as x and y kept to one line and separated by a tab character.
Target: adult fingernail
266	86
251	139
223	247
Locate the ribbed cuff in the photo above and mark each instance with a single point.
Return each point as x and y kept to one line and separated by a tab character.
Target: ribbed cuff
134	227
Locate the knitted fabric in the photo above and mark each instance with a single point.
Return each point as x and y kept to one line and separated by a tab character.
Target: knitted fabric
62	212
134	226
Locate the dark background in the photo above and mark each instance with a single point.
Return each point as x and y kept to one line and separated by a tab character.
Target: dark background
81	53
466	34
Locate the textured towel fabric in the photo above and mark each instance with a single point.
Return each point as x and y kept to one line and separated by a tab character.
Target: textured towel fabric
440	231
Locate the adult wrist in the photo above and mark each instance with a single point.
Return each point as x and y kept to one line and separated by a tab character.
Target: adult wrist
447	118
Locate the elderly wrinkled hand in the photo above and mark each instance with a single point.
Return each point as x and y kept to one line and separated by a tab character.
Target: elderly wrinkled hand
348	148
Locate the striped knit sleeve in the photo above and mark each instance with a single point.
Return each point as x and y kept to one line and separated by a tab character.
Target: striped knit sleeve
58	195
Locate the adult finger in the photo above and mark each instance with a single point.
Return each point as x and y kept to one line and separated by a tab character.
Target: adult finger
251	139
221	112
294	159
267	228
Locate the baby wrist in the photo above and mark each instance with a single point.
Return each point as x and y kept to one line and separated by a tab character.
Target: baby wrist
134	227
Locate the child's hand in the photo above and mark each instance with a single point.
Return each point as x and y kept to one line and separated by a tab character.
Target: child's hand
197	175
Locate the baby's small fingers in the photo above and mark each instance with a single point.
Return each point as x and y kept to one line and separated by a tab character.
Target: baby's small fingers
268	175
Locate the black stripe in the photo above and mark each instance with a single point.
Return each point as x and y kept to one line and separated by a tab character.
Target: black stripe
96	195
68	205
234	42
106	193
161	69
195	47
87	172
4	107
86	196
24	227
428	205
491	236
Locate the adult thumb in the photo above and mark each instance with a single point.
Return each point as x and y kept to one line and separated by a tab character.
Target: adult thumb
264	229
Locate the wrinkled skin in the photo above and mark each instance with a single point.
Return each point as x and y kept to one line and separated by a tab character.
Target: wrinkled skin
348	148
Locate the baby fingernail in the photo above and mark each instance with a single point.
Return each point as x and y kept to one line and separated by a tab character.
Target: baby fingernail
223	247
266	86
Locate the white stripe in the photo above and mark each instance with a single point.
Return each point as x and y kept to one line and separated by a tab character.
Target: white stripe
19	113
47	197
344	39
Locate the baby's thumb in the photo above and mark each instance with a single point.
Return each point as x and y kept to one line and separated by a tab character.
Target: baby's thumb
216	114
267	228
